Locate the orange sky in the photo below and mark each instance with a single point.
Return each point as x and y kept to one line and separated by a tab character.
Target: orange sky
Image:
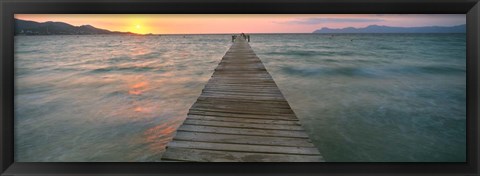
254	23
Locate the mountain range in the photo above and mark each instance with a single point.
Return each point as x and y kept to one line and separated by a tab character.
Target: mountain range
390	29
23	27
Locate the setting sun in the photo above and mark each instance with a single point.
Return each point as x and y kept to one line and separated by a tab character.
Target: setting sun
139	29
139	25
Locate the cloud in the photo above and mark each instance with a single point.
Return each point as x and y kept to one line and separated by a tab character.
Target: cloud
312	21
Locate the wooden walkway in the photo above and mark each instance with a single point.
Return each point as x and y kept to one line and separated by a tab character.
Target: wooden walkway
241	115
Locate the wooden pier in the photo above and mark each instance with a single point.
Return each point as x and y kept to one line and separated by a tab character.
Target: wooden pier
241	116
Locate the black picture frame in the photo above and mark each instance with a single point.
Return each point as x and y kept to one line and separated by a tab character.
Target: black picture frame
10	7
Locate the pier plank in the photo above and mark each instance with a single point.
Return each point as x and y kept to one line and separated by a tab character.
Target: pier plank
243	125
244	148
241	111
244	120
243	131
212	112
260	108
242	139
195	155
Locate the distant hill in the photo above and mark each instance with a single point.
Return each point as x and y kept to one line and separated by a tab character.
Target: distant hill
389	29
23	27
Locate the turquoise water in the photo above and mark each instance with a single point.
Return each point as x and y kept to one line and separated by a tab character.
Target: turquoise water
375	97
361	97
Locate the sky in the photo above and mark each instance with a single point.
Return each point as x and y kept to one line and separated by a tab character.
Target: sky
246	23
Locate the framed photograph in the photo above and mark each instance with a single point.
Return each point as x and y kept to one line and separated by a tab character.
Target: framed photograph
201	87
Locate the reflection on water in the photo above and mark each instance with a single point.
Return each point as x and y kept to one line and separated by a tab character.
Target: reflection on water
158	136
106	98
138	88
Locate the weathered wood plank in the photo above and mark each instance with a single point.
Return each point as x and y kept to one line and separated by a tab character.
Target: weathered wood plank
242	91
243	147
242	86
273	103
242	139
241	76
253	132
243	125
226	105
222	156
236	87
258	85
232	93
239	105
243	119
254	116
252	97
240	111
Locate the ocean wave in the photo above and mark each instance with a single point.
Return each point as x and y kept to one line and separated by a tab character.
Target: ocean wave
115	93
354	61
341	71
443	70
391	48
28	51
210	40
34	89
373	72
330	60
151	55
126	69
67	69
118	59
314	53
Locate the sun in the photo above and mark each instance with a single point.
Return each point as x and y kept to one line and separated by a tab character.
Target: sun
138	28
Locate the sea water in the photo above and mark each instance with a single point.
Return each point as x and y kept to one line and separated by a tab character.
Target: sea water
361	97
